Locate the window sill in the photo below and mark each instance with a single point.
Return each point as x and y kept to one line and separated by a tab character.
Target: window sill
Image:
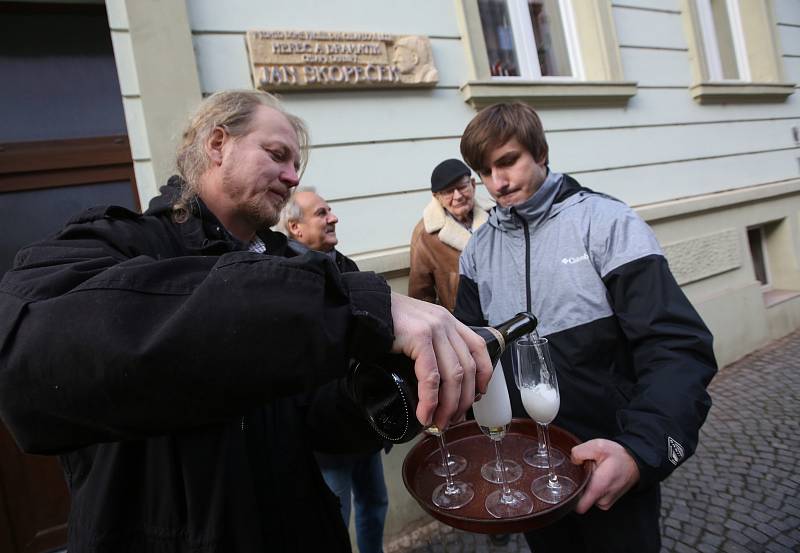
480	94
774	297
718	93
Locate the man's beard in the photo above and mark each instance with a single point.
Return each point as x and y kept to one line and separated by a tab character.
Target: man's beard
261	215
258	212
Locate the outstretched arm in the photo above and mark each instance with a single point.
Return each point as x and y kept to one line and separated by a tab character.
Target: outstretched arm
104	339
451	361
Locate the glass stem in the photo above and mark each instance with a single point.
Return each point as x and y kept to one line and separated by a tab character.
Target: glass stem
506	489
445	449
450	488
542	447
551	474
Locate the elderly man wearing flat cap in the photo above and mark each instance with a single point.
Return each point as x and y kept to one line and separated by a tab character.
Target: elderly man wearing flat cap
447	224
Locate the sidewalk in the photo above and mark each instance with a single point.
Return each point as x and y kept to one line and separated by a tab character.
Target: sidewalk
739	493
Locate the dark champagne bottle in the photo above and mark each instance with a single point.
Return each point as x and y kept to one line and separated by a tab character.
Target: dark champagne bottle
387	388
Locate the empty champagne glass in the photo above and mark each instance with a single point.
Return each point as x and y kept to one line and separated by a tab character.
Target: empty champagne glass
539	390
453	494
456	463
493	415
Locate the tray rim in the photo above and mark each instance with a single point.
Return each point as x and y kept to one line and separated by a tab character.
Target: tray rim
493	526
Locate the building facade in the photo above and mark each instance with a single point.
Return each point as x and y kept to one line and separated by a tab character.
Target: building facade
640	100
685	109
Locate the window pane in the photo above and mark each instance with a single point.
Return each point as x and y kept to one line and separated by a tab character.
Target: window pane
58	75
499	38
30	215
551	42
722	28
755	238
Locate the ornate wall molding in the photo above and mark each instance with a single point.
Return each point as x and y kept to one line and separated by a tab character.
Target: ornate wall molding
698	258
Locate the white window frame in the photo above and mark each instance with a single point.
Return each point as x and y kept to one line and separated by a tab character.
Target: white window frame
598	78
525	43
711	45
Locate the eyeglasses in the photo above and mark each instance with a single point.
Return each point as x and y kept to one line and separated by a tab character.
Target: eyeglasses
464	188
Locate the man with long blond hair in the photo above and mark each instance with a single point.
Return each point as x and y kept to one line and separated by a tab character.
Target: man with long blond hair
184	363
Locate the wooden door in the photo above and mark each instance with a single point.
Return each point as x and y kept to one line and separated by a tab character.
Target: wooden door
34	502
63	148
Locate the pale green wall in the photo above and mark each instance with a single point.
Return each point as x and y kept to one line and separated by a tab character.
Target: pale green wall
373	150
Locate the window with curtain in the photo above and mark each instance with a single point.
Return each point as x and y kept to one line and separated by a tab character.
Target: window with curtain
559	52
530	39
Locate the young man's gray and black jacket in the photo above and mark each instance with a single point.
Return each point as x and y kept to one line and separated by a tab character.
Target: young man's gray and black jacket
633	356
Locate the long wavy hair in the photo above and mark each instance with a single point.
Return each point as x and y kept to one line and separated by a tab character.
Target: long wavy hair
232	110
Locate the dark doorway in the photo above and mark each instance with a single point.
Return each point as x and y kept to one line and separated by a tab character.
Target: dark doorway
63	148
63	141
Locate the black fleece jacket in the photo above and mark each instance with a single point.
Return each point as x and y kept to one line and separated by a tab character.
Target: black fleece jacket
185	381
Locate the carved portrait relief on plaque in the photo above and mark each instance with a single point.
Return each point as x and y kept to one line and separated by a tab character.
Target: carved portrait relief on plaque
309	60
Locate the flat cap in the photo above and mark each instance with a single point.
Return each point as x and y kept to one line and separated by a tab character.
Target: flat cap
447	172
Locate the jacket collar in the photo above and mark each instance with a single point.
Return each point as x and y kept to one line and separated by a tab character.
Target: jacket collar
299	248
202	232
436	219
534	210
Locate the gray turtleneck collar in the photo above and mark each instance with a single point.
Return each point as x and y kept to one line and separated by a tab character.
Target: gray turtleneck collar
534	210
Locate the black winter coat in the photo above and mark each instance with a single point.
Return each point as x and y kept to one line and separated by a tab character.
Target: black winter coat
186	381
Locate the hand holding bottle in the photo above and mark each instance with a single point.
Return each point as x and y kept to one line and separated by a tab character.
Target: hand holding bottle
450	361
391	389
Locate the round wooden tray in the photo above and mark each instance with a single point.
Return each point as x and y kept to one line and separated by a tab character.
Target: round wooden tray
467	440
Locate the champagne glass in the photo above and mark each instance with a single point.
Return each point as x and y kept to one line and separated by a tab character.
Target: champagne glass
453	494
536	456
539	390
455	463
493	414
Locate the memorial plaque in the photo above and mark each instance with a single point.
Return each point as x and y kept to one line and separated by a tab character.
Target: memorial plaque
313	60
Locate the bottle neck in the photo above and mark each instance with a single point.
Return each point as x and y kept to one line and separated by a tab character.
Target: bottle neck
498	335
516	327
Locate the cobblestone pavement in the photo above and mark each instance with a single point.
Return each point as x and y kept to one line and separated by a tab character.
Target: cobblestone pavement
739	493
